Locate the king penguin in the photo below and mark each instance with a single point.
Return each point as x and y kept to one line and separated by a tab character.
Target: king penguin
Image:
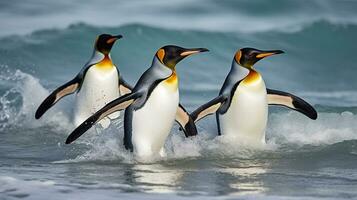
241	107
97	84
151	108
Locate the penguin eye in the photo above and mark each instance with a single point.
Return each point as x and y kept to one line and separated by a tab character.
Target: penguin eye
253	55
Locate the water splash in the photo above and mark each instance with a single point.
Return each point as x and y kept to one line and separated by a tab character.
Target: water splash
329	129
21	95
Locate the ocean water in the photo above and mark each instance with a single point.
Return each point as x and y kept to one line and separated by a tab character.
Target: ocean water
44	44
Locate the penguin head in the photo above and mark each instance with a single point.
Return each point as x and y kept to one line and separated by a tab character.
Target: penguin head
247	57
105	42
170	55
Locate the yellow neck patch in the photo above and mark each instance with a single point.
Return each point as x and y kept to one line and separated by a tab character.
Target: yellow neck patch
106	63
252	77
172	81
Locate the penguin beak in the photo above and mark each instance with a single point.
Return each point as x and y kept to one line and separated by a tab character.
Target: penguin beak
264	54
188	52
114	38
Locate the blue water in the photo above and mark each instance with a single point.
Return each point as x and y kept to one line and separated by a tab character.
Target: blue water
44	44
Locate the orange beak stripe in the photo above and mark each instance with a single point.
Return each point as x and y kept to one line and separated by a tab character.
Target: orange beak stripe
111	40
187	53
263	55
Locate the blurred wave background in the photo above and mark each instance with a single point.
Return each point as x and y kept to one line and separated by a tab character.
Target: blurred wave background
45	43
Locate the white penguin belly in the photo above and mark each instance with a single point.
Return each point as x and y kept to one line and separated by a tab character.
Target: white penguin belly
100	86
247	115
153	122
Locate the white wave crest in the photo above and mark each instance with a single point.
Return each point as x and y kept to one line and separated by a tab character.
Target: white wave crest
22	94
240	16
329	128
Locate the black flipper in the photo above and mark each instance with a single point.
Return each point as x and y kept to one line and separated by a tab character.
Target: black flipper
184	119
115	105
128	128
124	87
66	89
208	109
276	97
218	124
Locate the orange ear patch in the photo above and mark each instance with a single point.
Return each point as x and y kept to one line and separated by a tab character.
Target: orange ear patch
95	42
161	54
238	56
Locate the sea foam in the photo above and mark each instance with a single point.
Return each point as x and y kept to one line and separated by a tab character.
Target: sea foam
23	92
20	97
